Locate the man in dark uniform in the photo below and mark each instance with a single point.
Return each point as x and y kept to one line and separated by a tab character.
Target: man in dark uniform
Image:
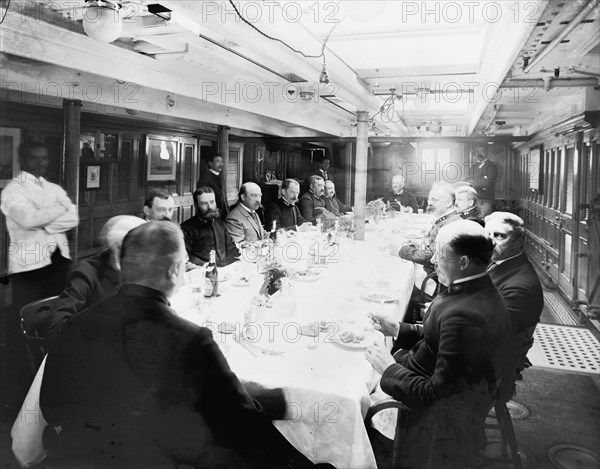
284	212
213	179
312	202
206	231
398	197
134	385
484	175
465	203
515	278
450	367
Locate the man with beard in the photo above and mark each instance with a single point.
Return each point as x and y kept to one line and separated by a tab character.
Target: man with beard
312	203
284	212
206	231
213	179
243	222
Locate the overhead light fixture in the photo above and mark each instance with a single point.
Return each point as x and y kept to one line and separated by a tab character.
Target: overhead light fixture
324	78
102	20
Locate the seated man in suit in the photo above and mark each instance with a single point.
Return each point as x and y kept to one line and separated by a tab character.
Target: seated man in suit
159	204
94	278
284	212
206	231
515	278
134	385
465	203
312	202
450	367
398	197
441	205
243	222
332	203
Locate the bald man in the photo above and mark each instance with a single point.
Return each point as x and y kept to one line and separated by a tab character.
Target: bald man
243	223
451	366
94	278
399	198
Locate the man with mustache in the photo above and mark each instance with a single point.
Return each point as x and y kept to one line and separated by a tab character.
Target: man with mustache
243	222
284	212
312	203
206	231
159	205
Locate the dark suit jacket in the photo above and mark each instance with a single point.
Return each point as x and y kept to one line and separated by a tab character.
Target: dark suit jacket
453	369
216	183
311	206
89	282
518	283
406	199
243	227
472	214
285	215
134	385
335	206
484	180
201	236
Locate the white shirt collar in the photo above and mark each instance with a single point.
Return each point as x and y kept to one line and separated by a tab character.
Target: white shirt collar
247	209
482	163
216	173
25	176
507	259
468	279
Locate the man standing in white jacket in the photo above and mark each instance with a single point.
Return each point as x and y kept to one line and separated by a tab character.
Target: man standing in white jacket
38	214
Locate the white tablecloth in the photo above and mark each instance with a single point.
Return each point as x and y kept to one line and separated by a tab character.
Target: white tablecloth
326	384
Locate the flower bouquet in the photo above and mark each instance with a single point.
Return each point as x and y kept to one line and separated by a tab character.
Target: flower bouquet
376	210
273	273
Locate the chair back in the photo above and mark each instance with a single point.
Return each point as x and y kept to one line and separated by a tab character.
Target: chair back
33	316
404	419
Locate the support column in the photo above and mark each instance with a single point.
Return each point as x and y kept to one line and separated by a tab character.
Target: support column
360	184
69	176
223	148
348	174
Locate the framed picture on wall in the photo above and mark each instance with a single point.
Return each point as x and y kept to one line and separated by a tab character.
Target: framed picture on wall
161	158
535	170
92	177
10	139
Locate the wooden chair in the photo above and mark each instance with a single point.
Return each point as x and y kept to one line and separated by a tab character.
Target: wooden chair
32	318
501	421
418	306
405	417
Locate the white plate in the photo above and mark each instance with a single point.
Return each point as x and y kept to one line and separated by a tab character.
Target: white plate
379	295
311	277
368	339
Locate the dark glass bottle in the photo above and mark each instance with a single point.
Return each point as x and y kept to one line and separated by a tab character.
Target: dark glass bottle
211	280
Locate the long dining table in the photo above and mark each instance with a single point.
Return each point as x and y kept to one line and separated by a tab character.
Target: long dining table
294	342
